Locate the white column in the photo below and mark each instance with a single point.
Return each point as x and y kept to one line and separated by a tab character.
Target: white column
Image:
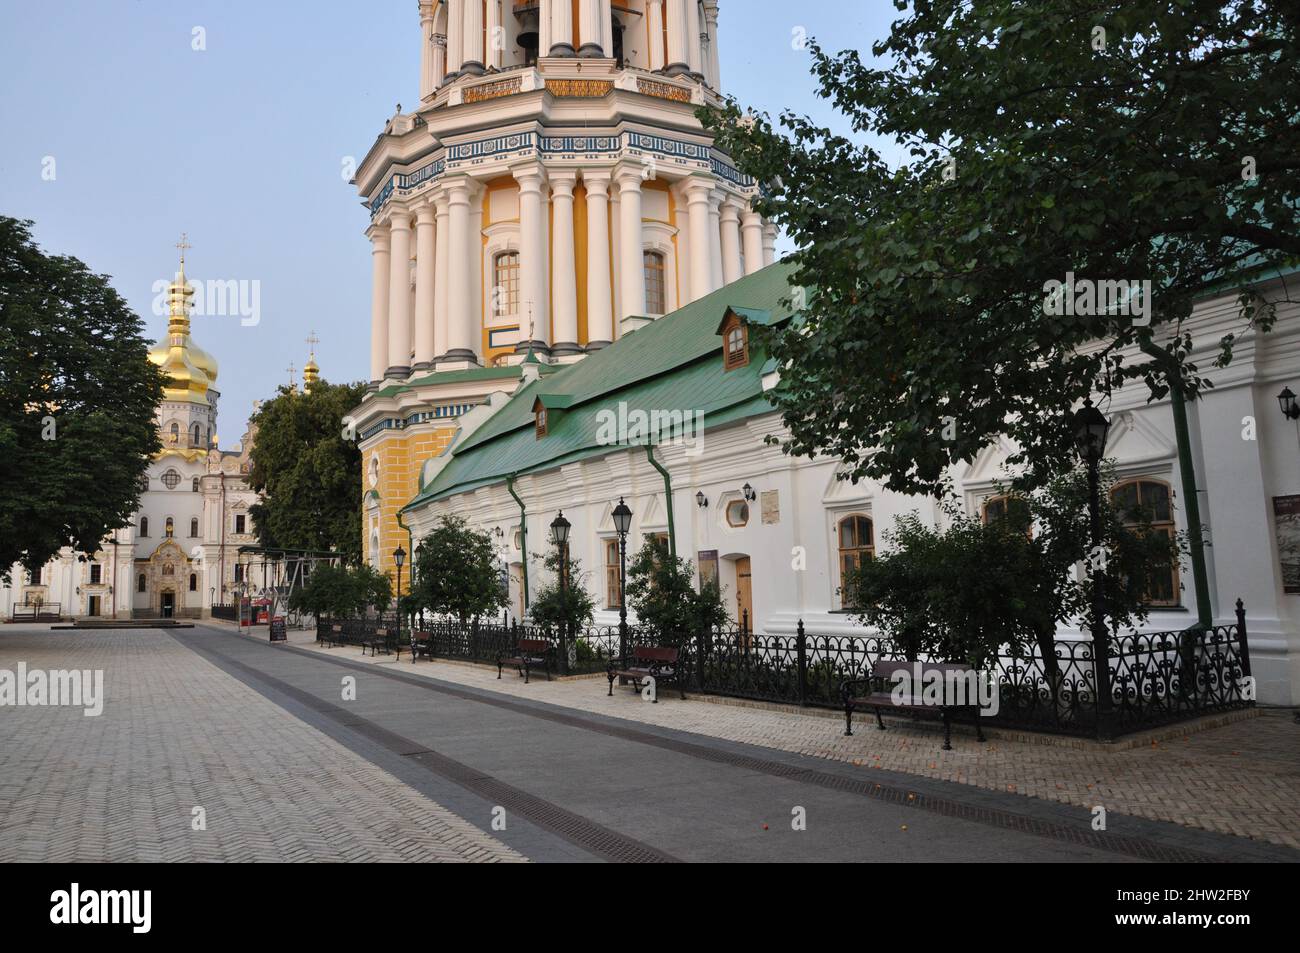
425	257
697	198
441	280
631	248
590	27
715	236
752	228
473	43
731	265
544	27
564	277
399	294
769	243
428	82
439	58
494	35
455	36
532	258
561	28
655	27
378	301
460	314
600	317
713	71
694	49
678	51
607	27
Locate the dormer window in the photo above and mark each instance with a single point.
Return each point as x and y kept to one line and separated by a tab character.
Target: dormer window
735	341
541	421
547	410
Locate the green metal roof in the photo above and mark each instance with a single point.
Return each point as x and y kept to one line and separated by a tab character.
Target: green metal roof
673	365
468	375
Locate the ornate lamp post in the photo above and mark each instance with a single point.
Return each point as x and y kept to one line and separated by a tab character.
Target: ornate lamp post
1090	429
560	534
399	557
622	523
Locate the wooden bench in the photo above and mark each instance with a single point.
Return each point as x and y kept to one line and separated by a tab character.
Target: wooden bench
334	636
422	644
384	640
648	662
529	653
876	692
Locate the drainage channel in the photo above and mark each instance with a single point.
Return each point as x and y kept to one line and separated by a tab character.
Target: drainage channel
1082	835
580	831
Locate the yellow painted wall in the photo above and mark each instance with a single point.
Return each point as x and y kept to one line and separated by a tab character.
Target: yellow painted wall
401	454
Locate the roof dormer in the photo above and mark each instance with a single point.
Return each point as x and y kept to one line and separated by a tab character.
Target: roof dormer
547	409
734	330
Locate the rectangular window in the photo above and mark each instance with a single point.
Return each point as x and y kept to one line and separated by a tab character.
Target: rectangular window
239	572
505	284
96	572
656	300
239	524
612	592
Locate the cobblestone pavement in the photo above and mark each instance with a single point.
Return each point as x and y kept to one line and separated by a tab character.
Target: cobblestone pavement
1238	779
178	733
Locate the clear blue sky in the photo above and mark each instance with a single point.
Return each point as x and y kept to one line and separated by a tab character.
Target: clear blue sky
241	145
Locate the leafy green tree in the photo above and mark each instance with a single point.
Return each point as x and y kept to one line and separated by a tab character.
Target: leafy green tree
78	397
342	591
1133	140
308	470
553	604
661	590
456	572
970	589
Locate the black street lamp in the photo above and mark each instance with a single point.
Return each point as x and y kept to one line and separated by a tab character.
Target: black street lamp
622	523
399	557
1286	400
560	534
1090	430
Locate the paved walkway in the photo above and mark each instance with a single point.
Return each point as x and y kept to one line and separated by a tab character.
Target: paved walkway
300	753
177	734
1240	779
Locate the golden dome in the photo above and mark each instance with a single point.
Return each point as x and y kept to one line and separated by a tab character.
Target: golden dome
190	370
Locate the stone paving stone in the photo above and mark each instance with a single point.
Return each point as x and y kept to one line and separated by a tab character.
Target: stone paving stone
1240	778
178	733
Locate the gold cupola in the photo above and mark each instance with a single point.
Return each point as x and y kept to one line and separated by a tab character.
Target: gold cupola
311	372
190	370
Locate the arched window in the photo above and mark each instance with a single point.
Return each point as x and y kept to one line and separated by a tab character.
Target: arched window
144	526
1148	504
176	432
857	542
141	583
194	526
656	296
1007	507
168	527
505	283
194	582
196	434
194	485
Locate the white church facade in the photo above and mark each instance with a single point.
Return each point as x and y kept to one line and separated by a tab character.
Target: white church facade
179	556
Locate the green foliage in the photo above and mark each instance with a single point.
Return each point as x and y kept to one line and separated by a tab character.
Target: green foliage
963	592
456	572
661	589
552	604
1030	153
309	473
78	397
342	591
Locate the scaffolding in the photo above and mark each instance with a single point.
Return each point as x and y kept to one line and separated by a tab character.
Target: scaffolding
283	572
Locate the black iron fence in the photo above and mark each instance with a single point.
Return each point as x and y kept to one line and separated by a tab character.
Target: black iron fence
1155	678
229	613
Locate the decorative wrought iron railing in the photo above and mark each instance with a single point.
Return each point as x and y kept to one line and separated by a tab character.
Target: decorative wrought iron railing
1155	677
230	613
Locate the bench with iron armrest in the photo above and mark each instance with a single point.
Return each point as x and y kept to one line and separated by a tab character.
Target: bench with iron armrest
528	654
384	640
648	662
876	692
336	636
422	644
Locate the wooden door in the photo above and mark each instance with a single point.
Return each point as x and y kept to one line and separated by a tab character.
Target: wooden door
744	594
